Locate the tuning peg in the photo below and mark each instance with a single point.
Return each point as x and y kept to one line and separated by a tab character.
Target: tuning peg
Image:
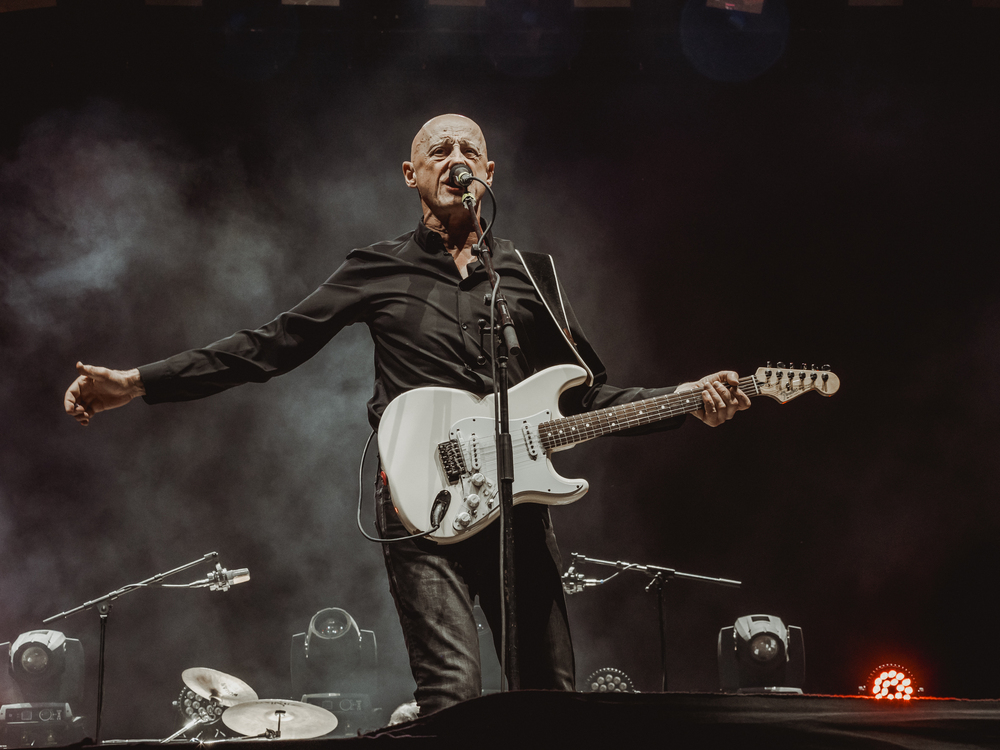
781	365
812	367
825	367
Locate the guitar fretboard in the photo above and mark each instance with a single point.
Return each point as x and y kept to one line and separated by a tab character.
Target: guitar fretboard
579	427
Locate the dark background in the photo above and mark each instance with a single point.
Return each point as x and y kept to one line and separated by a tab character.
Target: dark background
817	182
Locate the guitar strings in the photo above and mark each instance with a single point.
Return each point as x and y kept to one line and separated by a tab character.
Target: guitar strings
583	427
614	419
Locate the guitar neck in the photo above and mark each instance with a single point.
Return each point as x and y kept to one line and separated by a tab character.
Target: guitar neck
568	431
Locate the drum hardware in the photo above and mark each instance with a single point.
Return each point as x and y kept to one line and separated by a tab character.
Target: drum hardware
206	694
279	719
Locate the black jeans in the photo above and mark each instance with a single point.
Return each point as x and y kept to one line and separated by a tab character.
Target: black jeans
434	587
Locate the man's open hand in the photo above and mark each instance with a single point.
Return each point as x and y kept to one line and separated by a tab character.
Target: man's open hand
99	389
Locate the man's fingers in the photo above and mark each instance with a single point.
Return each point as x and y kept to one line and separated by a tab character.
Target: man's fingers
92	371
744	400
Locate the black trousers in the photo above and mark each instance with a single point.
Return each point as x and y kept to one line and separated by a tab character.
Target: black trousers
434	587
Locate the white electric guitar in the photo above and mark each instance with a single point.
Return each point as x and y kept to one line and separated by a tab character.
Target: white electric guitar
438	450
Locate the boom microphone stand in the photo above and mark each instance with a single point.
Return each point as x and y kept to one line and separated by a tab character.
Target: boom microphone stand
103	604
574	582
506	346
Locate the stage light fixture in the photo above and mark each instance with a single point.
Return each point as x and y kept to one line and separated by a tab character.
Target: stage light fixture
335	666
45	666
42	681
759	654
609	680
891	682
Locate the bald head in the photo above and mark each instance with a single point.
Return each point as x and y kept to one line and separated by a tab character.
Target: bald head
445	127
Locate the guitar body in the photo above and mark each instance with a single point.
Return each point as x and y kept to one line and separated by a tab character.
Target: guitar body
437	448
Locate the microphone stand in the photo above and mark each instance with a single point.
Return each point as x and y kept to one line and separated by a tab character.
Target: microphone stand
659	576
103	604
505	347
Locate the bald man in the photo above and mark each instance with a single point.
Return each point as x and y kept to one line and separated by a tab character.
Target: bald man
422	297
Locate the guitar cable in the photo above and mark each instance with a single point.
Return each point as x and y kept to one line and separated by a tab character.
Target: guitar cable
361	495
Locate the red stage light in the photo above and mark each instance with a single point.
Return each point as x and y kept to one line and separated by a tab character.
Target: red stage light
890	682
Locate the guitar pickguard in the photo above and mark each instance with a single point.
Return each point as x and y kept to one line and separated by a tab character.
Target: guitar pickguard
441	439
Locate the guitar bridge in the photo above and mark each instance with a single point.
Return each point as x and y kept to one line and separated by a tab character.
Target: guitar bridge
452	459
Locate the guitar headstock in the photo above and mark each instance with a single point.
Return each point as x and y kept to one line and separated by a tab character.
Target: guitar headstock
785	383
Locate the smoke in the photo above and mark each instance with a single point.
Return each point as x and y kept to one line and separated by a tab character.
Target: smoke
124	245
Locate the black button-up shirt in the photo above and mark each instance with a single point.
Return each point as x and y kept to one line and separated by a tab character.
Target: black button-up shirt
424	319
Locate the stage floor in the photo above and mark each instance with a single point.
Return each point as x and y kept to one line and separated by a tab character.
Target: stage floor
686	720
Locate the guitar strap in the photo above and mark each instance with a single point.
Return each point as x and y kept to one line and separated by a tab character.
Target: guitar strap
541	269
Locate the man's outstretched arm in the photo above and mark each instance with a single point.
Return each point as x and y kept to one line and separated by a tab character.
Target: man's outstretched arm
98	389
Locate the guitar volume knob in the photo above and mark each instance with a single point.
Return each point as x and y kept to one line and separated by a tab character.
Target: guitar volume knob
478	479
462	520
472	502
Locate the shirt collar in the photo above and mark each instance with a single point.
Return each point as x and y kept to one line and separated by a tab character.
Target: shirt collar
432	242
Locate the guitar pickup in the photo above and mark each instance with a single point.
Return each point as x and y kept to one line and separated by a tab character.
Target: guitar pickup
452	459
530	438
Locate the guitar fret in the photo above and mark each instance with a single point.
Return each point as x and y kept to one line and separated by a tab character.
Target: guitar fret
579	427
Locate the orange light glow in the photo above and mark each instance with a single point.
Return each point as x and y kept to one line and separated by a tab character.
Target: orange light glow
890	681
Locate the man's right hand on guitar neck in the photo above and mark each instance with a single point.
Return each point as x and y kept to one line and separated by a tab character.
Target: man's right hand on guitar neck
721	396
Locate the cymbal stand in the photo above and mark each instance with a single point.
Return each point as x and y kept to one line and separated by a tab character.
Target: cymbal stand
103	604
190	725
574	582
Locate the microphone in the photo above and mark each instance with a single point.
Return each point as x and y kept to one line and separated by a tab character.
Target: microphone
224	579
461	176
221	579
573	582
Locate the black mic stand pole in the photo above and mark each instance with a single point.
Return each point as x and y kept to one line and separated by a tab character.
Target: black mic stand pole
506	346
103	604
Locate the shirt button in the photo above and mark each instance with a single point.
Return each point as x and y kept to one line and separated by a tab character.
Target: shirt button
465	326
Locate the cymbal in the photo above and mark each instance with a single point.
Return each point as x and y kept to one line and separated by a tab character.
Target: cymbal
299	721
210	683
